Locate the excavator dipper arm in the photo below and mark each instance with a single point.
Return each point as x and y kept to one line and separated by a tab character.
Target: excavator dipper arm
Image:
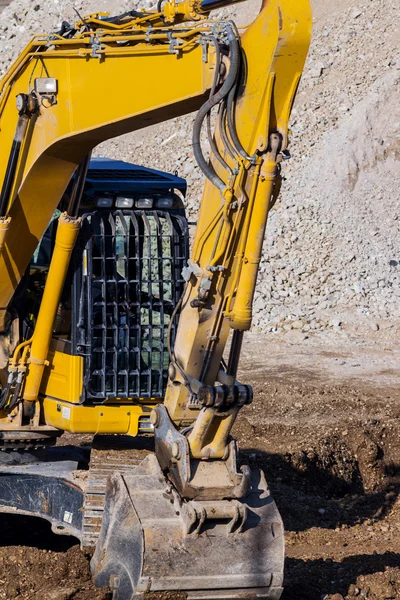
187	518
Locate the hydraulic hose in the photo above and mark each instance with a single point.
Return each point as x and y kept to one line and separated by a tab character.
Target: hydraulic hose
19	136
27	107
171	352
79	185
131	13
207	168
222	128
208	5
5	394
214	148
230	109
211	140
16	393
234	355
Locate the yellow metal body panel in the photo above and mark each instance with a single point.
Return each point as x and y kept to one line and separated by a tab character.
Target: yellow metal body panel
107	419
63	377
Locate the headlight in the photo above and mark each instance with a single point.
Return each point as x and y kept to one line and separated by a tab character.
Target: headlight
124	202
166	202
104	202
46	85
144	203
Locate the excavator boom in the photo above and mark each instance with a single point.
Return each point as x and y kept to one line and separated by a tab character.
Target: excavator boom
186	518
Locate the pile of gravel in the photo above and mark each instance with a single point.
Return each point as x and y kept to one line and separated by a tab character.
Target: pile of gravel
332	253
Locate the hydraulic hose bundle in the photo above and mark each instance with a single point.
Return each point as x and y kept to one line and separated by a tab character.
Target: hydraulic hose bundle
216	98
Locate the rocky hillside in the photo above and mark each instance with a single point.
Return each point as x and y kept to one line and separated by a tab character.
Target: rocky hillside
332	253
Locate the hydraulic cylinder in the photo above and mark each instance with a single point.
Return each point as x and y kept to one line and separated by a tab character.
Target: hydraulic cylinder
67	233
241	315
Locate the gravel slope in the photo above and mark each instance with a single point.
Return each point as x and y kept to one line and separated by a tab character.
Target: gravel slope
332	254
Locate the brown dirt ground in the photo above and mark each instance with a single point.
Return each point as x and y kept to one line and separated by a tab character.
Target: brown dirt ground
328	442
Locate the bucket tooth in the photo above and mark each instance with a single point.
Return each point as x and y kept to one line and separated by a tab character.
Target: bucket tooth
152	541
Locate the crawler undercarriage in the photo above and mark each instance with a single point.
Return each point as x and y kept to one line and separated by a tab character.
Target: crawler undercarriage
115	499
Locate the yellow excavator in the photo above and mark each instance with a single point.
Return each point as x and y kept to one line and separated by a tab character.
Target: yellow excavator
113	334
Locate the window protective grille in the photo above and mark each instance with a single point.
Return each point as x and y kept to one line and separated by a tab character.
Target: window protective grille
127	282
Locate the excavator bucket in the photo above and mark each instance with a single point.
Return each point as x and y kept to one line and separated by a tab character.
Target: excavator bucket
152	542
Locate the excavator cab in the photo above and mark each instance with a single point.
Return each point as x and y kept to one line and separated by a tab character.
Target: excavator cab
122	285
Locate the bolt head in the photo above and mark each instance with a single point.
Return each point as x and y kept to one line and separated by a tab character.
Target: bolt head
171	372
154	418
175	451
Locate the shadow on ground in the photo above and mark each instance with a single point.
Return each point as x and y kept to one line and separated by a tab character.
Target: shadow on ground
311	579
320	493
18	530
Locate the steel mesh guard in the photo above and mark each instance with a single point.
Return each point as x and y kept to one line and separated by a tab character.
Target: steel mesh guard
126	285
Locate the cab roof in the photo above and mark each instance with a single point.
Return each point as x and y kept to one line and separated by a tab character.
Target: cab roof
109	175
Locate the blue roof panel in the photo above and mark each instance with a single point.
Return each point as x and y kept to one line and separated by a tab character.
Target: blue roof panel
110	175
